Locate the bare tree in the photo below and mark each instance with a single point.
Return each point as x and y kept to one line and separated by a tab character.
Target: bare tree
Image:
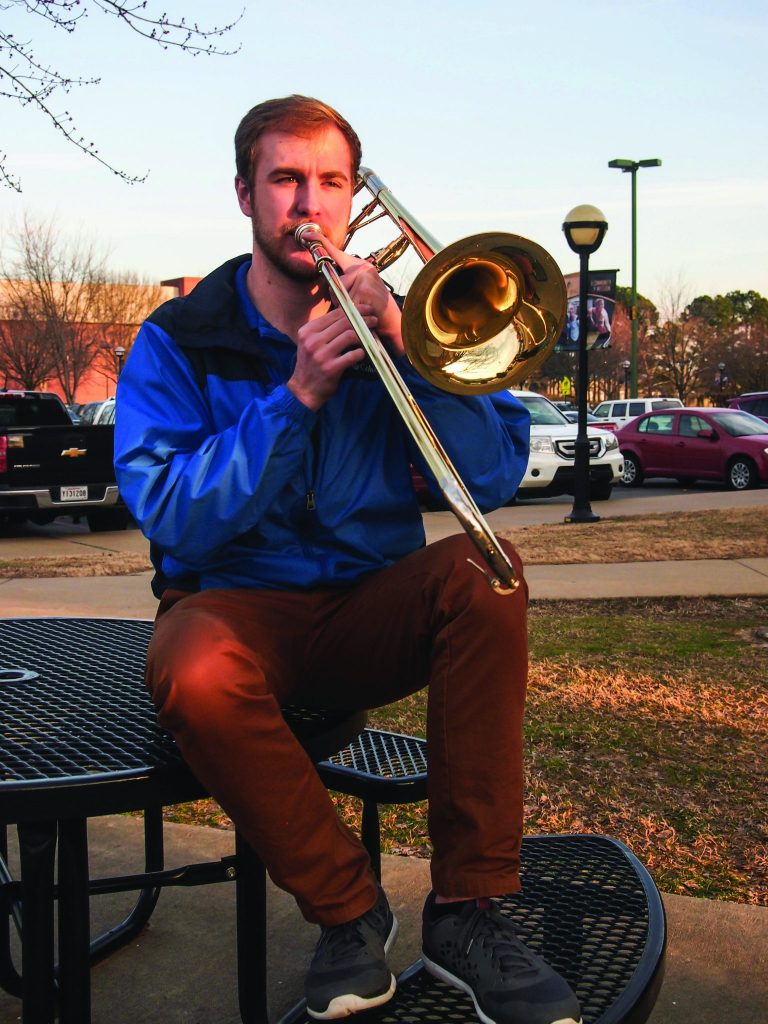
25	359
31	81
52	292
677	352
124	301
63	314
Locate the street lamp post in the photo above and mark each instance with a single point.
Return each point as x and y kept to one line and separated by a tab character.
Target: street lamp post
720	379
584	228
626	366
632	167
120	353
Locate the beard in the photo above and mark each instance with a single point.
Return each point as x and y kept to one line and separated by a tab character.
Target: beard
273	248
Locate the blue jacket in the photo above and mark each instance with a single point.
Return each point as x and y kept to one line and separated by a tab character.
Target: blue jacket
237	484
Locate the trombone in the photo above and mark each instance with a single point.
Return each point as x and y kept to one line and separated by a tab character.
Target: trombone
482	314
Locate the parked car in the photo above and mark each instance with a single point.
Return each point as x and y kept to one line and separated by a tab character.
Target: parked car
755	402
621	412
553	449
88	411
50	466
696	444
105	413
572	415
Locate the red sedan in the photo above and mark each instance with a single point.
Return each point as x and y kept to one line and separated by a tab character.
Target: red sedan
696	444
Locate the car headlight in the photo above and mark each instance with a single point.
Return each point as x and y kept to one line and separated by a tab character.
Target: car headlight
611	442
543	445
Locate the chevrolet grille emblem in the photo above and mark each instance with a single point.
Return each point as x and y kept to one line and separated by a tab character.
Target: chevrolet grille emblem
73	453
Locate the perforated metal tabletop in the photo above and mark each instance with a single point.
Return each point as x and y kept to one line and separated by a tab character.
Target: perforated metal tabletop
78	724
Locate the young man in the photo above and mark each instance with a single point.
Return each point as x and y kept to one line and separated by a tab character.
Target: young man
270	471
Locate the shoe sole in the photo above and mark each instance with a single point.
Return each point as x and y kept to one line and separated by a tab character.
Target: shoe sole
346	1005
455	982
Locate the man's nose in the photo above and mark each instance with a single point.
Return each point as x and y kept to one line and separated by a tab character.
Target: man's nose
308	198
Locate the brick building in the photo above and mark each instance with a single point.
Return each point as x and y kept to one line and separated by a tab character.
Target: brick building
52	329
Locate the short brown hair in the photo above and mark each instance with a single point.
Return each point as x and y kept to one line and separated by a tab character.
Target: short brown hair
301	114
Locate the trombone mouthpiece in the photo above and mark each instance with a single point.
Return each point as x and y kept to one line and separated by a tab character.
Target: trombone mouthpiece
302	229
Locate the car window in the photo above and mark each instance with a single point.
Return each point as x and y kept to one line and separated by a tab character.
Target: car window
31	411
603	410
690	426
740	424
543	413
666	403
620	409
656	424
88	411
636	409
759	407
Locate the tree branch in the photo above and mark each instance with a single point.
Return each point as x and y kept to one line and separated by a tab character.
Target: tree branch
30	82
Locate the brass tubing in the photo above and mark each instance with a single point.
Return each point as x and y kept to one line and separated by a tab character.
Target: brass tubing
502	577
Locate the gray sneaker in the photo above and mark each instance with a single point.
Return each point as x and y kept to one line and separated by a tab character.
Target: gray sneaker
478	951
349	972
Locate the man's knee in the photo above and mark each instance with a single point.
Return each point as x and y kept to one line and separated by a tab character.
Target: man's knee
195	667
456	561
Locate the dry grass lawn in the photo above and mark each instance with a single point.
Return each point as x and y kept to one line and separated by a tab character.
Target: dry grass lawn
679	536
736	533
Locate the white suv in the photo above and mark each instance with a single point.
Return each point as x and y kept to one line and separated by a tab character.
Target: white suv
553	450
622	412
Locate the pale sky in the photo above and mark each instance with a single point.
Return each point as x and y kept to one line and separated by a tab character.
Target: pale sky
479	116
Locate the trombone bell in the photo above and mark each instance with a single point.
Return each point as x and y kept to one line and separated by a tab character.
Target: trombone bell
484	313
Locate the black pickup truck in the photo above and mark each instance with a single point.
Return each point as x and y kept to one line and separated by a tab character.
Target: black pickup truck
50	467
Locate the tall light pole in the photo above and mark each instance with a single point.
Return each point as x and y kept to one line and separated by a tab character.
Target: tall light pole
632	167
626	366
120	354
584	228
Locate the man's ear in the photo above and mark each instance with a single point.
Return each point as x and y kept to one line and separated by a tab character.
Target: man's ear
243	190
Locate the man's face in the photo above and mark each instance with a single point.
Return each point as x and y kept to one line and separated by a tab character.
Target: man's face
297	178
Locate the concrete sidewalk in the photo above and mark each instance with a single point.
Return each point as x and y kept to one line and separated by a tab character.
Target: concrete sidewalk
131	597
181	969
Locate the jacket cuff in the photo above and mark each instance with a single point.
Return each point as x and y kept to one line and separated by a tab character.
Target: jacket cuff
285	401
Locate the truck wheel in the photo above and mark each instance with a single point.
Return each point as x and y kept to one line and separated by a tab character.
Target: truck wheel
107	519
633	471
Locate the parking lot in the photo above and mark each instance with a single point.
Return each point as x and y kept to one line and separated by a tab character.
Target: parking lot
654	496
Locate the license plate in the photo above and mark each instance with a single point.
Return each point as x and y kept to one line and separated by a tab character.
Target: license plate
74	494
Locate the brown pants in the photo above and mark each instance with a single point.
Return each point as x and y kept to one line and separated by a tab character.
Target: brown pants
222	662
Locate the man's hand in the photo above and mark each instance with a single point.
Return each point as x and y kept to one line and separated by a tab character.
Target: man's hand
325	348
366	287
327	345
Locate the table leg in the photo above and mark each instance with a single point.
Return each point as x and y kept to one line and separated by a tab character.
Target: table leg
74	924
251	900
10	979
37	854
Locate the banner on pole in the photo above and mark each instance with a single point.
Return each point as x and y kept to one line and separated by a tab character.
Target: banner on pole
601	305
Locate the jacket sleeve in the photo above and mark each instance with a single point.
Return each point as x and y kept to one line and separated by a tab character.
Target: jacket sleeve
486	437
191	488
